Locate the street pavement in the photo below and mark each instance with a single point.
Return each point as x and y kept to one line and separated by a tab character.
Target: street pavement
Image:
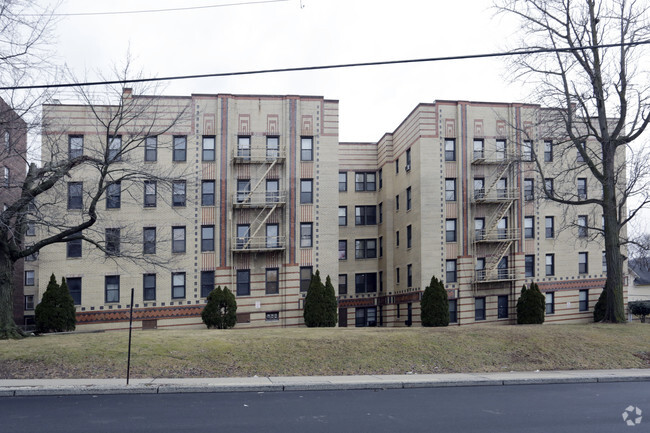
28	387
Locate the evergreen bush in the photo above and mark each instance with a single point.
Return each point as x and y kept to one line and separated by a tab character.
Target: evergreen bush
220	312
531	306
599	309
434	306
56	311
639	309
320	303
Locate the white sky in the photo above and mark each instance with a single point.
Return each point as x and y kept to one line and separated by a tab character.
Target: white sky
372	100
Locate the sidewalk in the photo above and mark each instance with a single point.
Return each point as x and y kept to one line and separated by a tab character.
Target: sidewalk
28	387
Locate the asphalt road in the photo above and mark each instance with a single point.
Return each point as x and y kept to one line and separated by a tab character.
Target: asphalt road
591	407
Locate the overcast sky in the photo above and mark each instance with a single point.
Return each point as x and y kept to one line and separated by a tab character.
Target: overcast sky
373	100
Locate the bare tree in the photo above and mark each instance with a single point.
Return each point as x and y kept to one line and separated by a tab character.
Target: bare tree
601	100
85	172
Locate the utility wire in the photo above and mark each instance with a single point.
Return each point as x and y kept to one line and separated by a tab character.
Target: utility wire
146	11
323	67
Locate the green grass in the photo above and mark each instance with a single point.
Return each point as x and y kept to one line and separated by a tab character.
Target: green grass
334	351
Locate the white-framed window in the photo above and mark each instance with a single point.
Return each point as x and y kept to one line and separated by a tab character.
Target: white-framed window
178	239
208	147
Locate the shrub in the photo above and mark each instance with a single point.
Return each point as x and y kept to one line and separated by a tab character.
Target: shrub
56	311
220	312
320	303
531	306
640	309
435	304
601	305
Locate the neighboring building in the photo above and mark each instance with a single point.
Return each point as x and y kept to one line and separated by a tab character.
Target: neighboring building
452	192
638	287
13	157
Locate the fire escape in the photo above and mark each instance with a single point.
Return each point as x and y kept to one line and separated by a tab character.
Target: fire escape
495	197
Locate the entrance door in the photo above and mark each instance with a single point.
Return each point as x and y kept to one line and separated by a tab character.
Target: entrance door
343	317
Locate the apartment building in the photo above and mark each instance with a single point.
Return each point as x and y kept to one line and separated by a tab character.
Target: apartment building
205	190
454	193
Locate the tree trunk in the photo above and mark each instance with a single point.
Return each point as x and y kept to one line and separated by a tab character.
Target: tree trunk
8	328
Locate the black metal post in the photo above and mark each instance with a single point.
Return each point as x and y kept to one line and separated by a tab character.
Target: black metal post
128	360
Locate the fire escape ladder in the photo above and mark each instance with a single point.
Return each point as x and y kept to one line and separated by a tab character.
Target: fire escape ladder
260	219
498	214
495	258
500	171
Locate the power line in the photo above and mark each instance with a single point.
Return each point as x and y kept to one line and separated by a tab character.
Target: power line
146	11
324	67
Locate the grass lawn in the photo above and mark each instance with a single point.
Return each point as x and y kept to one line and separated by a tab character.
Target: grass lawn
333	351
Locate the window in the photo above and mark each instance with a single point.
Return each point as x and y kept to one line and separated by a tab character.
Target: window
32	257
479	308
528	189
343	215
530	265
409	275
397	202
502	228
548	151
604	262
502	188
583	300
112	288
397	238
178	285
479	187
479	228
343	181
500	153
343	249
207	238
115	148
381	246
75	192
365	181
149	287
244	147
207	193
243	190
365	215
29	278
75	146
73	248
582	146
305	277
343	284
365	283
397	165
381	281
365	316
381	213
527	150
408	198
114	195
503	272
453	310
151	149
272	316
180	148
306	235
479	269
149	240
272	281
208	148
243	235
7	139
74	287
307	149
272	147
112	241
529	227
178	193
582	226
272	238
29	302
549	222
478	149
550	264
397	275
365	249
450	272
548	184
207	283
272	190
30	230
450	189
502	307
306	191
582	188
380	174
178	239
550	302
583	263
6	177
409	236
450	230
450	149
150	193
408	159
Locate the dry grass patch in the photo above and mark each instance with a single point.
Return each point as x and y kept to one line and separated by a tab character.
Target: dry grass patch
333	351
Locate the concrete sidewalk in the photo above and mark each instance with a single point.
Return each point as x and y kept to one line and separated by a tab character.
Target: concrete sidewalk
27	387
